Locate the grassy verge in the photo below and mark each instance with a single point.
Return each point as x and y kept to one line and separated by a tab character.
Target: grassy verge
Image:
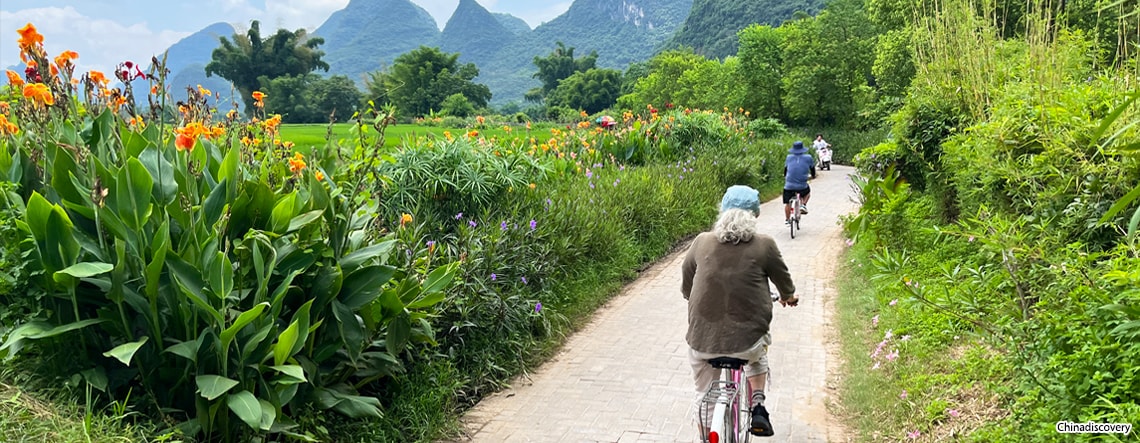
32	417
931	380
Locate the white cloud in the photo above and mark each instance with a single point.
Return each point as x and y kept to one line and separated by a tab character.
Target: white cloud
102	44
294	14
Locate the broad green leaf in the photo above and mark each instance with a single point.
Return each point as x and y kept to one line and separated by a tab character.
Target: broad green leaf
283	211
82	270
246	407
96	377
242	320
426	300
364	285
187	349
190	280
399	330
126	351
284	347
162	171
302	220
439	278
352	261
351	331
268	415
215	204
38	329
229	168
133	194
356	406
160	245
221	275
293	371
213	386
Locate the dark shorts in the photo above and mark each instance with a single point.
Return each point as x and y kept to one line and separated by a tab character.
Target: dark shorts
789	193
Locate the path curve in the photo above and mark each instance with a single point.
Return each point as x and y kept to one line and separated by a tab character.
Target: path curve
625	376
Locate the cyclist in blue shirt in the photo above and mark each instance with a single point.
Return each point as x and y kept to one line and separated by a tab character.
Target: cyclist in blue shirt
797	166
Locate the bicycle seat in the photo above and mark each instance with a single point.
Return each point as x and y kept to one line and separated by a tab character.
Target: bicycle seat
727	363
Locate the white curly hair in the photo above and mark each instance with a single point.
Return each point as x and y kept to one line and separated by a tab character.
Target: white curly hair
735	226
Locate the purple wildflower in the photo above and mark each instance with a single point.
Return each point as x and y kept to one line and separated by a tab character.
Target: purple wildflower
537	307
503	225
523	280
459	216
533	224
472	223
494	277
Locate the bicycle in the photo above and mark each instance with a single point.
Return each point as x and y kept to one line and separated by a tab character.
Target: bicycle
794	221
725	415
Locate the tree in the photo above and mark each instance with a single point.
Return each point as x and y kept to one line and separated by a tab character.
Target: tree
419	81
559	65
309	98
761	62
663	83
249	57
458	105
592	90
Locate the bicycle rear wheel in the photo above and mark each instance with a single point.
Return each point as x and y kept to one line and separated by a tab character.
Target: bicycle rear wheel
743	400
795	217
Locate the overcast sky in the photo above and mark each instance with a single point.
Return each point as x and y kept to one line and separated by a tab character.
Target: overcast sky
107	32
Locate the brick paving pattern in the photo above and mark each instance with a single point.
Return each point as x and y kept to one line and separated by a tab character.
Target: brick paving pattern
625	376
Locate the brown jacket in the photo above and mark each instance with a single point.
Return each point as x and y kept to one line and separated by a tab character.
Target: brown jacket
726	284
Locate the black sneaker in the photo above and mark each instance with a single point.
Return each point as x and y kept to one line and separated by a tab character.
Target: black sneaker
761	426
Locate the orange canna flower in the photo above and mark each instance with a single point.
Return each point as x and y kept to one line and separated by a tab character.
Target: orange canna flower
245	140
583	125
5	107
184	142
473	134
448	136
405	219
218	130
54	70
258	96
7	127
319	175
29	37
14	79
584	114
98	78
153	89
232	114
64	58
204	91
479	119
39	94
532	186
297	163
272	123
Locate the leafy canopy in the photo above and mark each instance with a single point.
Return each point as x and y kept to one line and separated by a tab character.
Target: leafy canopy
419	81
249	57
557	66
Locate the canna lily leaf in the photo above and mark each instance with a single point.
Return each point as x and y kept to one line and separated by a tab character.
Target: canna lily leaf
126	351
213	386
82	270
244	319
246	407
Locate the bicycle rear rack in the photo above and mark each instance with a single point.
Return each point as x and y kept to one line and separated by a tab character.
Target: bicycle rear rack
721	391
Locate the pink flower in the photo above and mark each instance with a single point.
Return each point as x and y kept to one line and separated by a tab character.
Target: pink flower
890	333
953	413
876	366
905	337
875	321
971	239
894	302
893	355
903	395
913	435
850	242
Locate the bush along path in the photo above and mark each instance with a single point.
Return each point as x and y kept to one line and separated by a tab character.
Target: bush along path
625	376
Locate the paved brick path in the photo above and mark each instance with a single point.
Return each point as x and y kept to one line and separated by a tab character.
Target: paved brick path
625	376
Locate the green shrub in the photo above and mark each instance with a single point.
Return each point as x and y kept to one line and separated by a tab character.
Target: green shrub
766	128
